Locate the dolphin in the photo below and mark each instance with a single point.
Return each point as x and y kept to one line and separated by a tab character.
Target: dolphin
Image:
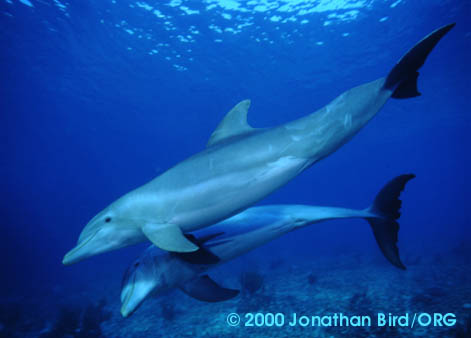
241	165
156	271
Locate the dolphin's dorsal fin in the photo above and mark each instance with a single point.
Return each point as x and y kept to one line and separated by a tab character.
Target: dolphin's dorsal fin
200	256
233	124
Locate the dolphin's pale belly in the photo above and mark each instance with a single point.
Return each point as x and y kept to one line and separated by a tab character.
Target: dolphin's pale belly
222	195
229	177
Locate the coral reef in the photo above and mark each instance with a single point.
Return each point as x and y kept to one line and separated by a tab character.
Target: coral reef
312	278
310	287
251	281
10	319
167	310
75	323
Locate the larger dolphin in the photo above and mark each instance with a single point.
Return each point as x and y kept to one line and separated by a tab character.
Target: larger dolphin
241	165
156	271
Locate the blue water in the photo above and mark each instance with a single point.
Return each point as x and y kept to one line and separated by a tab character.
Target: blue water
99	97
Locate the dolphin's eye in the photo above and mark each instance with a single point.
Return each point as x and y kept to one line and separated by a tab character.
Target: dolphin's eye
108	219
136	264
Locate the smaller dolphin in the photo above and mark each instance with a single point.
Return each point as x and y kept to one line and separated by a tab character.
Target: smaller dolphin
156	271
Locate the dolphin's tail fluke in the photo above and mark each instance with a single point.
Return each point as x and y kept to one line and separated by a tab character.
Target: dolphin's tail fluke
403	77
385	227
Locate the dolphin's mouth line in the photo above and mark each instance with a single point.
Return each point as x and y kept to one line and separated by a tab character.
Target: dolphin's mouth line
81	245
128	297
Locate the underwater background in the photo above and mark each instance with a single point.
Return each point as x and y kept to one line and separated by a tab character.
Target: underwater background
99	97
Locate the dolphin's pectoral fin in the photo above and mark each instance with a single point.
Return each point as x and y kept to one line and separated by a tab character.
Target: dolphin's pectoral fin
200	256
233	124
205	289
168	237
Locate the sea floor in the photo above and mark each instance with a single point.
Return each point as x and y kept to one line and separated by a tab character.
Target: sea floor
347	285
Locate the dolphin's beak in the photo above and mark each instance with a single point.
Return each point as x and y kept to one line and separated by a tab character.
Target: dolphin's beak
130	303
133	295
80	252
71	257
126	311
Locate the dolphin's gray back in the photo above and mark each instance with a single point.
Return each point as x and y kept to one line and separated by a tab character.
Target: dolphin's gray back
259	225
211	186
246	231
